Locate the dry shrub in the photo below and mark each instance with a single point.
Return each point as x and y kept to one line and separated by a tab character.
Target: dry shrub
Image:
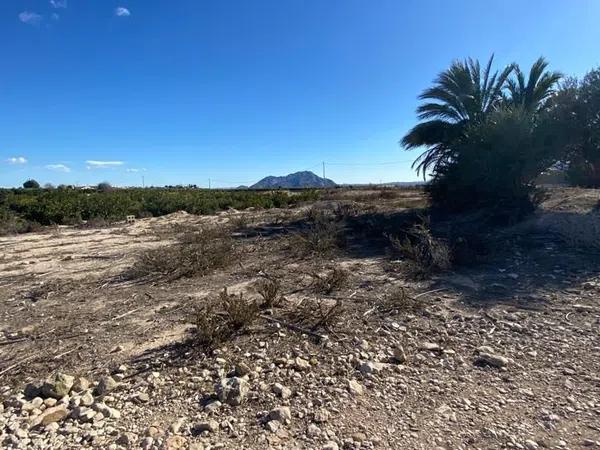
211	327
270	291
15	225
425	253
399	300
331	281
240	313
347	210
195	253
322	236
239	222
317	313
219	319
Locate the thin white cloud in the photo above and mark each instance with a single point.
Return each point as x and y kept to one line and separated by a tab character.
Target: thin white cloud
134	170
58	167
30	18
122	12
59	4
93	164
55	16
17	160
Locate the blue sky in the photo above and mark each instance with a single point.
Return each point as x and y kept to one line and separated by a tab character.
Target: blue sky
181	91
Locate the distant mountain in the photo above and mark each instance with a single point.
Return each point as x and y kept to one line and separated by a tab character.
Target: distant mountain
294	180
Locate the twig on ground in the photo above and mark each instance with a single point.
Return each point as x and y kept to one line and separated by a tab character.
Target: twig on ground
296	328
124	315
428	292
9	368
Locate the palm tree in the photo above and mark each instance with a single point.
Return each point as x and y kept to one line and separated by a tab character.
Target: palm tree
533	93
463	94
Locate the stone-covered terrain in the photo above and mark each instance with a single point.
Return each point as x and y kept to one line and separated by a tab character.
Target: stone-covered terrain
502	353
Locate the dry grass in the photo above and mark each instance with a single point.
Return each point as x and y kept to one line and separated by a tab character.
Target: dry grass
350	209
239	222
96	222
196	252
47	289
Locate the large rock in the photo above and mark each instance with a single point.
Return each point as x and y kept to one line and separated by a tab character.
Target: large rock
32	390
232	391
106	385
175	443
210	426
87	399
370	367
301	364
489	359
58	385
282	391
127	439
50	415
355	388
281	414
399	354
81	384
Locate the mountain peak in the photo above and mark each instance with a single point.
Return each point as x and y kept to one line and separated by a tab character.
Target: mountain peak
305	179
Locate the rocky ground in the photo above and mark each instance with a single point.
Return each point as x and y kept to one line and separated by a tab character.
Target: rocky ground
504	353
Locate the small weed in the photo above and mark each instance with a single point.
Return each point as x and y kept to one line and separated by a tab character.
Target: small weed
270	291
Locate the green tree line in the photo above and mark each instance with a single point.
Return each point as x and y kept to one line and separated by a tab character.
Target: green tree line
20	209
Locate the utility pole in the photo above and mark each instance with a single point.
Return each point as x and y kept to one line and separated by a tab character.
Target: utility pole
323	169
209	183
143	182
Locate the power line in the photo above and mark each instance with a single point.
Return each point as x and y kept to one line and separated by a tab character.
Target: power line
371	164
322	164
232	182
